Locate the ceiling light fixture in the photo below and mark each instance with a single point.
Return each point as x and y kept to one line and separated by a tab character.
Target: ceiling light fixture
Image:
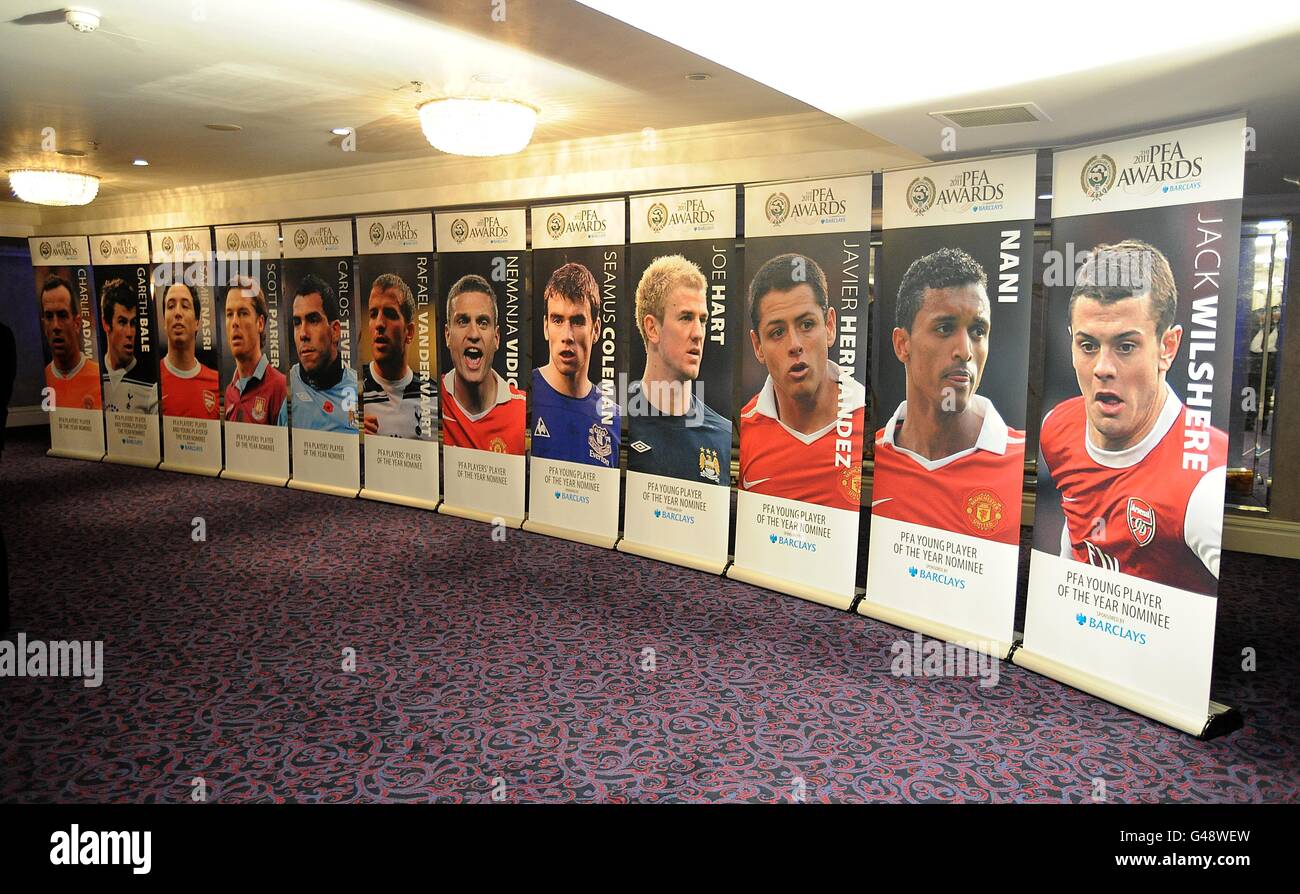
53	187
341	131
1045	196
461	125
141	163
224	128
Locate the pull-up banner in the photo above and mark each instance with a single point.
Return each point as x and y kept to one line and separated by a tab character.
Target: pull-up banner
679	405
188	381
255	353
578	362
324	405
65	296
482	296
803	374
128	329
952	364
399	344
1128	523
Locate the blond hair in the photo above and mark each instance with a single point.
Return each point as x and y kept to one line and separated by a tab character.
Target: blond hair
657	283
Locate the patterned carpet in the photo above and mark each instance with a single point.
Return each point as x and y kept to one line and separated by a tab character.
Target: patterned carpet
516	667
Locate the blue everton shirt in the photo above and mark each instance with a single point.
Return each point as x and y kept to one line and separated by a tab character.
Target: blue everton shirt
570	429
331	409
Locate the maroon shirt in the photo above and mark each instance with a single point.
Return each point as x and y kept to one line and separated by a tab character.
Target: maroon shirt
261	399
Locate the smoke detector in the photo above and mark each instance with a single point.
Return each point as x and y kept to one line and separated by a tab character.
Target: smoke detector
83	20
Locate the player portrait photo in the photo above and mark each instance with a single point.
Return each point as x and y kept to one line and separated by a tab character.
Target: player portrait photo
946	459
189	388
257	392
72	376
397	401
480	409
674	432
130	384
801	434
1116	451
322	390
573	420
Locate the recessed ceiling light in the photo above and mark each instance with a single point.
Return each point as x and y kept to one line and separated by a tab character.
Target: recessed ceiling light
341	131
1046	195
698	76
224	128
140	163
72	153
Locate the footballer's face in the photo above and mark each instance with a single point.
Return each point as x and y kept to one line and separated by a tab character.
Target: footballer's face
61	327
1120	363
182	320
681	332
570	335
316	336
120	328
472	336
244	325
947	347
793	341
389	332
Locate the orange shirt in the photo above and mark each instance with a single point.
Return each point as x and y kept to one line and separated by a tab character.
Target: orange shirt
193	394
79	389
975	492
499	428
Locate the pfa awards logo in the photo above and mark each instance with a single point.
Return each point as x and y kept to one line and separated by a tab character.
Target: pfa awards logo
555	225
657	216
777	208
300	238
376	232
920	195
459	229
105	247
45	250
1141	520
1097	176
232	241
167	245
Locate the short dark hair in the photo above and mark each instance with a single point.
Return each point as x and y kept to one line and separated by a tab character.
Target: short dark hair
194	298
58	282
942	269
472	282
115	292
574	282
1128	269
385	282
781	274
313	285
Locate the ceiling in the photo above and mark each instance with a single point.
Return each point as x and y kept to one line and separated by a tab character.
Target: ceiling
288	71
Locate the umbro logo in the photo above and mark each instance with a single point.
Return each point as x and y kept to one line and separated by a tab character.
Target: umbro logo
640	446
539	431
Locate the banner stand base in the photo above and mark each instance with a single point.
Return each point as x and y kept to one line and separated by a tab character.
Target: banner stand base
929	627
478	515
190	470
272	480
331	489
1222	721
686	560
399	499
604	541
93	456
1197	724
131	461
792	588
859	593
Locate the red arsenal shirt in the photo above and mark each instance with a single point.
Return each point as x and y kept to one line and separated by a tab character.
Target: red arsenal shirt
499	428
975	492
1138	510
819	467
192	393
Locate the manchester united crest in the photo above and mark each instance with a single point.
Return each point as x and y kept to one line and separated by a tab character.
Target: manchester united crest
851	484
1141	520
983	511
497	445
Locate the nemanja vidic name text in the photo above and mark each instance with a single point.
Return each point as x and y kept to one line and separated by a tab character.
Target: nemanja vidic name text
935	658
57	658
89	848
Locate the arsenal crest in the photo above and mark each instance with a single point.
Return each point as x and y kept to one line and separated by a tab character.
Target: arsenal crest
210	401
1141	520
259	409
